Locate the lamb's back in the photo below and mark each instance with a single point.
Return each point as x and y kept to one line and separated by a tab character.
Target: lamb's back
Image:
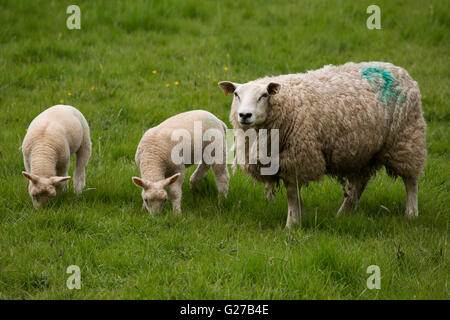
57	126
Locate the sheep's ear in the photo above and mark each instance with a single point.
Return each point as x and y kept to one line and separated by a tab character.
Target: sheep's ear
139	182
55	180
32	177
273	88
171	179
228	87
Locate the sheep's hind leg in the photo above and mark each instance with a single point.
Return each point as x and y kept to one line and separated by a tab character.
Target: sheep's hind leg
222	178
83	155
355	189
295	205
411	196
199	173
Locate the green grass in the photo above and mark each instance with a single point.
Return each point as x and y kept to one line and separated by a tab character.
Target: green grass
238	249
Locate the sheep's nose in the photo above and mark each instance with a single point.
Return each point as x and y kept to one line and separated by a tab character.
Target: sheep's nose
245	116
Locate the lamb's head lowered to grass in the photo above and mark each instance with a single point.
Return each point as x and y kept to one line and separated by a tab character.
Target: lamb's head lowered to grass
42	189
154	194
250	101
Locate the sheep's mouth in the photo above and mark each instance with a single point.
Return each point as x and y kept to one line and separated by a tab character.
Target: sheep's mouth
246	124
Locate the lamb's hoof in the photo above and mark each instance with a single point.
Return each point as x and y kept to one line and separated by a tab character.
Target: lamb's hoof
78	192
177	212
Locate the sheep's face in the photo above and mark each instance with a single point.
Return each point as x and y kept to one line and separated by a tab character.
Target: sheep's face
154	194
154	199
42	189
251	101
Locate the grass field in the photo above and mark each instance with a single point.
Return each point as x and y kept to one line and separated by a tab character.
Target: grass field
238	249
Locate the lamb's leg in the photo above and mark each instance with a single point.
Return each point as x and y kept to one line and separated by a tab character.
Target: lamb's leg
62	172
175	194
199	173
411	196
295	205
222	178
355	189
83	155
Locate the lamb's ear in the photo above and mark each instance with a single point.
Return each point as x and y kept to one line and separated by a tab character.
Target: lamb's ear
273	88
55	180
171	179
139	182
32	177
228	87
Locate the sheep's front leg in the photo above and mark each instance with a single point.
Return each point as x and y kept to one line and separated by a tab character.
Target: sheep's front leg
269	191
175	194
295	205
63	171
351	198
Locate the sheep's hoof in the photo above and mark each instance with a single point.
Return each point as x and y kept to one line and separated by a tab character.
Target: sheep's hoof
269	192
412	213
346	207
290	224
292	220
269	196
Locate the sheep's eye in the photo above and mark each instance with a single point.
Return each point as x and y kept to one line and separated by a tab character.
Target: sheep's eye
236	95
265	95
146	201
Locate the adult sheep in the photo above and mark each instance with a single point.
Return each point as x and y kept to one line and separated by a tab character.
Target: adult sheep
345	121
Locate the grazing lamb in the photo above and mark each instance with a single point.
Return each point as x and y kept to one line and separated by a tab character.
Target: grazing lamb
345	121
51	139
156	151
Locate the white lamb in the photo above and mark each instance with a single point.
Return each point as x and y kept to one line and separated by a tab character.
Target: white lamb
155	158
52	137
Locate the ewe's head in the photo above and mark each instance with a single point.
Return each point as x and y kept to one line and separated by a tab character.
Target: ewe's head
154	194
42	189
251	100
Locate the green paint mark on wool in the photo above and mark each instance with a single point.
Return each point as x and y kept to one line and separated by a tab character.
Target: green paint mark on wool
80	118
385	81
